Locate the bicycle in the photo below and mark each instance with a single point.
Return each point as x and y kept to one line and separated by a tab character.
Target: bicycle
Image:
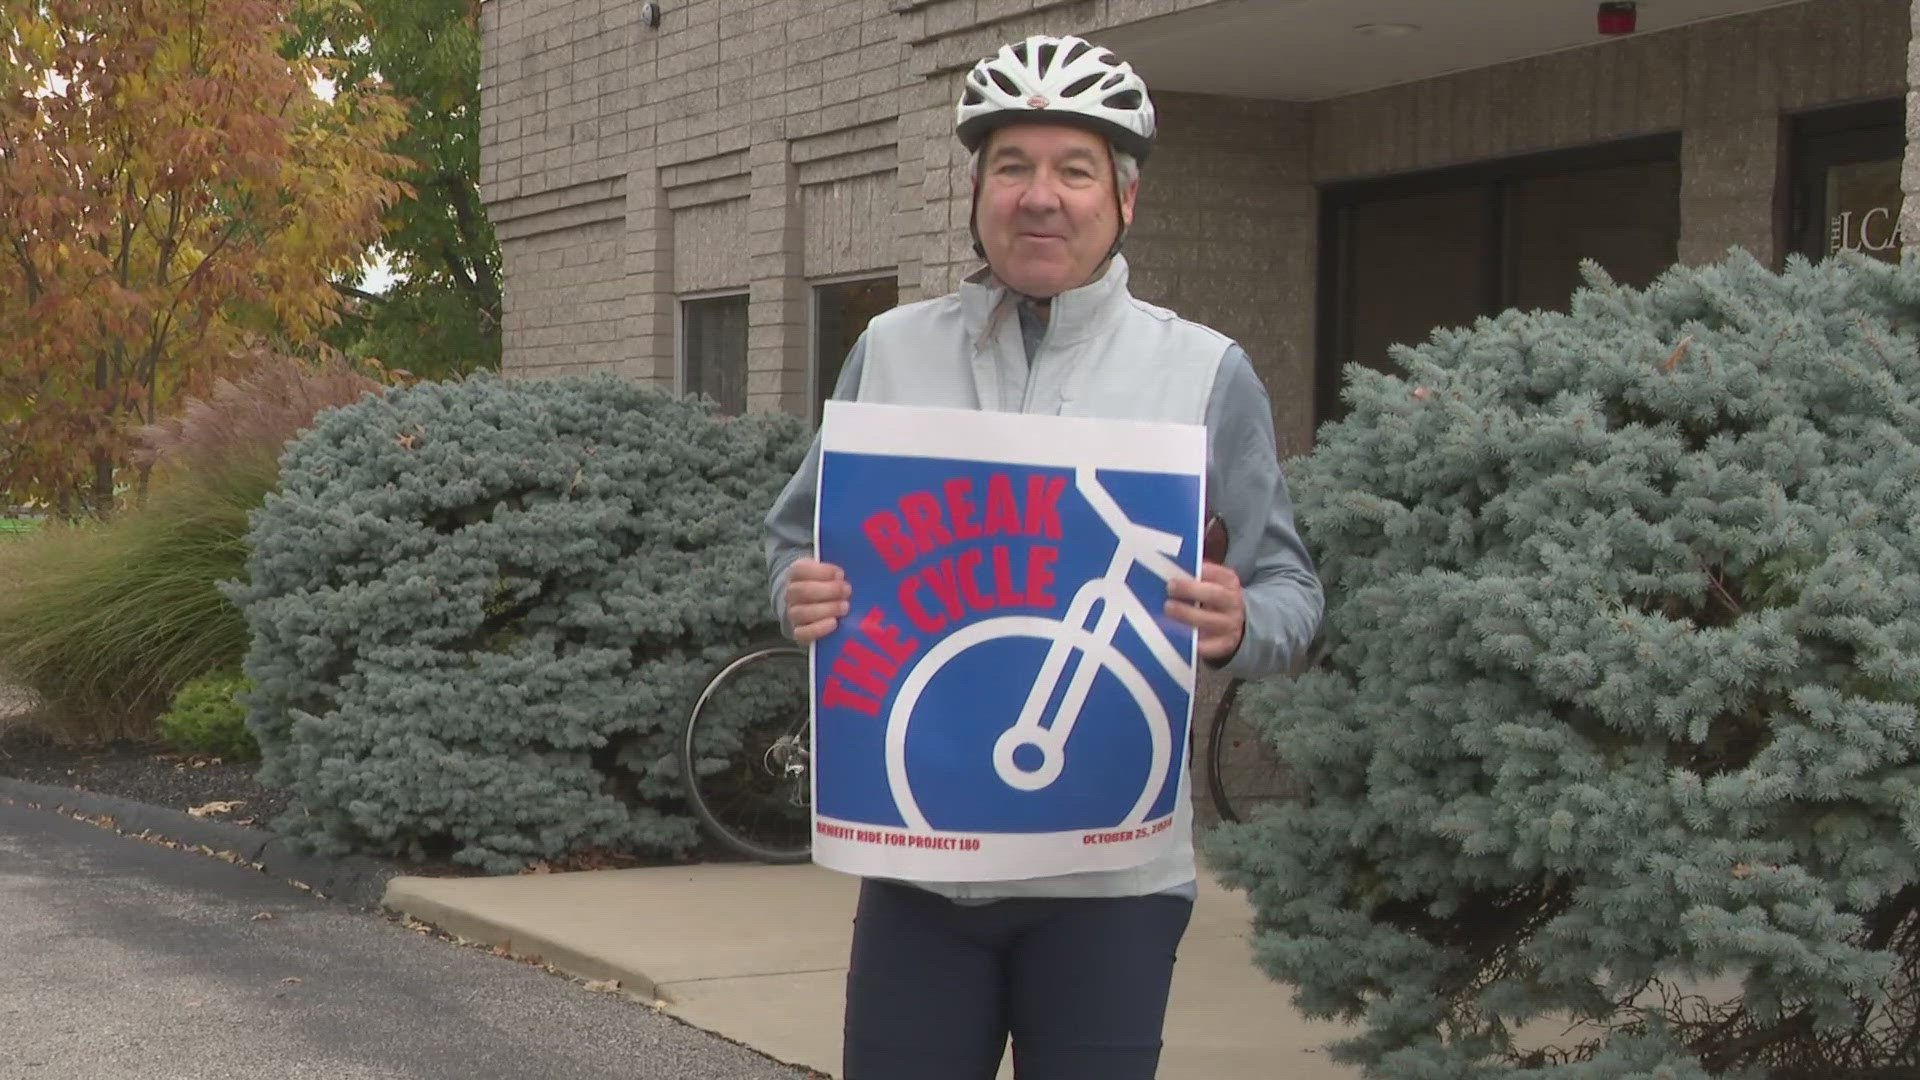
1244	769
746	754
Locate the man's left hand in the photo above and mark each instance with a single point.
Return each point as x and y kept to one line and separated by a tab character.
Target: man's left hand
1211	604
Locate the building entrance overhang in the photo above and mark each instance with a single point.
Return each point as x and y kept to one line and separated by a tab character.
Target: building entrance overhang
1310	50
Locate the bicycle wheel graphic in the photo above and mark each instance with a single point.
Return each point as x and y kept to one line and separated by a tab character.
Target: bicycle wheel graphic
1126	685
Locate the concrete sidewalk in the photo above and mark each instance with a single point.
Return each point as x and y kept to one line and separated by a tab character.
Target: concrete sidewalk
758	954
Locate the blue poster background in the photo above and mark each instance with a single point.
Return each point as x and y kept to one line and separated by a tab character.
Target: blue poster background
979	694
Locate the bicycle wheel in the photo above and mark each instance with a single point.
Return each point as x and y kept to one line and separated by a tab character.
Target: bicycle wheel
1244	771
746	755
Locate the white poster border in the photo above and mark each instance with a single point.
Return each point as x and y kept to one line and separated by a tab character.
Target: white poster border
1146	446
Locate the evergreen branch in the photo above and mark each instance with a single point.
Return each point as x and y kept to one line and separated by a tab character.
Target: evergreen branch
1721	1056
1719	586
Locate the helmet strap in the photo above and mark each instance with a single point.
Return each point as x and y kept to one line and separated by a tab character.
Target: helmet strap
1119	217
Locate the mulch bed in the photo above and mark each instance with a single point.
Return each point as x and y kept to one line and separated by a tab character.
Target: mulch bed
158	775
144	772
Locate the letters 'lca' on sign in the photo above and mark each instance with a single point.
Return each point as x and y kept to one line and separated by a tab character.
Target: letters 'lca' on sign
1007	698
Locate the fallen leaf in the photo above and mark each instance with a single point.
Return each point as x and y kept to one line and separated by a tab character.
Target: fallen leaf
602	986
1742	871
265	916
293	980
1679	353
217	806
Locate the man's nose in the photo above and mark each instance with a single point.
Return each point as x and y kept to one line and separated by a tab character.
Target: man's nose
1041	194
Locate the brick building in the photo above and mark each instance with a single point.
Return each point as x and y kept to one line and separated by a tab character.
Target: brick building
718	202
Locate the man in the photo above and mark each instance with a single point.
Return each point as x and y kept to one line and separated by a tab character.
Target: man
1074	967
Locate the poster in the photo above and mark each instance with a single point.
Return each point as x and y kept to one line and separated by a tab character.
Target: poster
1007	697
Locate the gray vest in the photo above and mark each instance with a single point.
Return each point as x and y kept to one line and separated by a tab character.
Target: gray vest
1106	355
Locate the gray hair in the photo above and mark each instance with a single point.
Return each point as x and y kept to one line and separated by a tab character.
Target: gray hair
1126	167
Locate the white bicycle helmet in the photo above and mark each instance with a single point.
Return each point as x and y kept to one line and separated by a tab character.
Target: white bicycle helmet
1061	80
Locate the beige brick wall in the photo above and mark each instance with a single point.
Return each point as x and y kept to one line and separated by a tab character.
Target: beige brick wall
697	147
1910	173
565	307
1241	259
766	144
850	222
566	317
705	256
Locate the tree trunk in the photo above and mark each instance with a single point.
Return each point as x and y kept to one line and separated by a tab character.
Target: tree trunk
99	503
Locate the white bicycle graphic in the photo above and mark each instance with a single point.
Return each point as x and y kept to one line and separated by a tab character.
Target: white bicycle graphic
1089	650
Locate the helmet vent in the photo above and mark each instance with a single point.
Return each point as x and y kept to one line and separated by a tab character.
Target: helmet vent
1046	56
1080	87
1080	48
1020	53
1125	99
1112	80
1000	79
972	97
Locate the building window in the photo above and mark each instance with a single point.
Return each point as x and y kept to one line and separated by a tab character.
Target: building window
713	350
841	311
1846	180
1402	256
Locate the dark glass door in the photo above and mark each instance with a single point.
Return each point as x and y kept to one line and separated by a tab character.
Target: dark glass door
1846	180
1402	256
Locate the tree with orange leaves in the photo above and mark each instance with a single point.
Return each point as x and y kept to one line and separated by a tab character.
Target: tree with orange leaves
173	192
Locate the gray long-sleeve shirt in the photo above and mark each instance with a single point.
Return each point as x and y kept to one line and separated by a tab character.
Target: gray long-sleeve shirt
1245	489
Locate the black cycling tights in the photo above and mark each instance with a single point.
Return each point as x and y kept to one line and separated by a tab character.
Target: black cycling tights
935	988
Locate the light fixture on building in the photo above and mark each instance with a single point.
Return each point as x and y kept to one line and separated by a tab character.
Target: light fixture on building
650	15
1619	17
1391	29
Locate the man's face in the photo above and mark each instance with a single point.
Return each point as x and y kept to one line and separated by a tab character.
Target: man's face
1046	207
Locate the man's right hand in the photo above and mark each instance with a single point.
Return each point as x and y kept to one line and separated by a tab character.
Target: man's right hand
817	596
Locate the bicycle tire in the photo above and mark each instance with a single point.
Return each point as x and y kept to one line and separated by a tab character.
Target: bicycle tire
1244	769
738	763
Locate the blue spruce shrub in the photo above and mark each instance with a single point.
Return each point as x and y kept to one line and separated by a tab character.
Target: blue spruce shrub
479	609
1618	728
